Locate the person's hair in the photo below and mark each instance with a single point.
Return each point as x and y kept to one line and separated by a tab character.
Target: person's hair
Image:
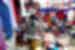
58	44
33	17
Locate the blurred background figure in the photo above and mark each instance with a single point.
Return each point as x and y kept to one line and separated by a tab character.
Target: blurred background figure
49	40
41	24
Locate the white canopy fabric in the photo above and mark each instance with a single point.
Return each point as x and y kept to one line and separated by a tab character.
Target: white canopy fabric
45	3
70	15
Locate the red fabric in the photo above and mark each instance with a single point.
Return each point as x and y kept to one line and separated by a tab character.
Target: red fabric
57	33
2	48
46	18
60	15
73	23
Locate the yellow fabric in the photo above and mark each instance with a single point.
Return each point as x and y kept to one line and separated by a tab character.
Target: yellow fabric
35	44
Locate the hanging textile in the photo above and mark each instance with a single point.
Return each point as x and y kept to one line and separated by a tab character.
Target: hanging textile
5	16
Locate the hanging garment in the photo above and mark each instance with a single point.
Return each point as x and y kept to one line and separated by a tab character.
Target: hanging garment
5	16
61	15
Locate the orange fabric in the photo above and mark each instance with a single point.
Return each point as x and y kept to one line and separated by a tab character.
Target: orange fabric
48	20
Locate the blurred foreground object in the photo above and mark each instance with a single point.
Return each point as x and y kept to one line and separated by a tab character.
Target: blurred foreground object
5	16
2	37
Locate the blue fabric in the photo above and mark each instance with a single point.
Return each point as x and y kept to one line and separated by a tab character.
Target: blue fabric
53	48
63	28
5	16
49	48
56	48
73	1
46	10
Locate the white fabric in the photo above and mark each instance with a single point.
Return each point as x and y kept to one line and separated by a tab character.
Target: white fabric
37	36
52	45
36	23
23	9
66	48
46	3
70	15
39	48
25	37
42	25
49	37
